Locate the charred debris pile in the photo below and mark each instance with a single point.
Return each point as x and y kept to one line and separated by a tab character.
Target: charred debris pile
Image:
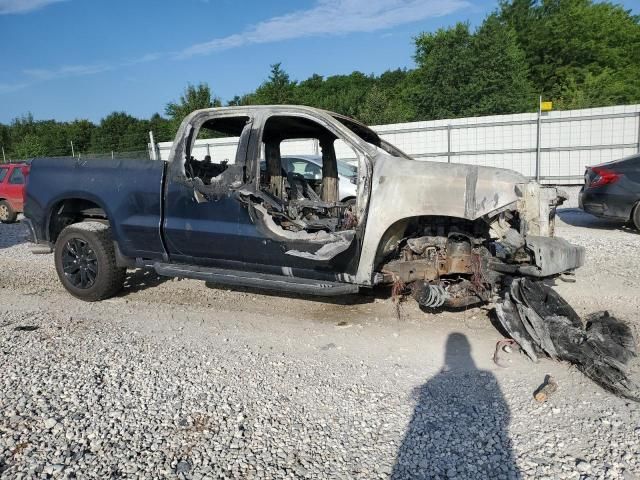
543	323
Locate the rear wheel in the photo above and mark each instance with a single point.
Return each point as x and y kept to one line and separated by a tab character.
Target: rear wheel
635	217
7	214
86	262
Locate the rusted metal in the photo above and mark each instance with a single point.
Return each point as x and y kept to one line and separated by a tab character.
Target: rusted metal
458	255
412	270
461	302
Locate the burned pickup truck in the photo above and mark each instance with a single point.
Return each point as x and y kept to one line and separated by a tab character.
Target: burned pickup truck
448	233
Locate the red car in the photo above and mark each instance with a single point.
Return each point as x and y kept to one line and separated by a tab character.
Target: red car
13	177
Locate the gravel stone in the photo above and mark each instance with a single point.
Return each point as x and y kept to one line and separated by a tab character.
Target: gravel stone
183	466
49	423
583	466
179	379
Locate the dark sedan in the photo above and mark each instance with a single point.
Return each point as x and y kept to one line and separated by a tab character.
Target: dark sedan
612	190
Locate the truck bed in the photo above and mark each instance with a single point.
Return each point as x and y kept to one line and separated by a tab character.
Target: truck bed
129	191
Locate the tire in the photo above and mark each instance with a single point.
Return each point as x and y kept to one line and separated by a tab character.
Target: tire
86	261
635	217
7	214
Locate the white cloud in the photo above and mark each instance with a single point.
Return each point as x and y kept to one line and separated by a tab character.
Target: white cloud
327	17
149	57
41	74
23	6
331	17
12	87
67	71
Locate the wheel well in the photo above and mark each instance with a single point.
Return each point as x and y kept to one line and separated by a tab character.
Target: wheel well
73	210
634	218
9	202
439	225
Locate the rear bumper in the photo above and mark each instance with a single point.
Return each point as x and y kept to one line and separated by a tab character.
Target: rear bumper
605	204
552	256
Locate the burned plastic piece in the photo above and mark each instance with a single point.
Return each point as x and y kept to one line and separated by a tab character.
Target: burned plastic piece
510	320
542	322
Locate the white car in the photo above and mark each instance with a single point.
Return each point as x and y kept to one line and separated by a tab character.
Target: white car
310	167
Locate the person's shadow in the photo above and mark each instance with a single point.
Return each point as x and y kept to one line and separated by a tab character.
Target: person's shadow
459	425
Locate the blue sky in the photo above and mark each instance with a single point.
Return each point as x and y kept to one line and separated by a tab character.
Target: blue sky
68	59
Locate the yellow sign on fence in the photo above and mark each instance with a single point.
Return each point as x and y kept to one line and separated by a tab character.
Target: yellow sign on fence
546	106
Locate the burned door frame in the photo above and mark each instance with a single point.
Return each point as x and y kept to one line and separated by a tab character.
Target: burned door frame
300	250
364	157
255	250
203	224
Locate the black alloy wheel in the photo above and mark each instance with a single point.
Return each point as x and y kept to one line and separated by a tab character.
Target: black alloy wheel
79	263
85	259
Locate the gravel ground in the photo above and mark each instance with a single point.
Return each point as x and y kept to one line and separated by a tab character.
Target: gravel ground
179	379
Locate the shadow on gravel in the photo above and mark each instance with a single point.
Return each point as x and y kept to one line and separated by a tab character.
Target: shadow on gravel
26	328
12	234
577	218
459	425
141	279
365	296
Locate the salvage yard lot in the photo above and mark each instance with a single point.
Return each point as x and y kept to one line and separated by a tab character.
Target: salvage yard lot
182	378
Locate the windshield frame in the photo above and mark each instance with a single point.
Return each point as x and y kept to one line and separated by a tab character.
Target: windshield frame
369	136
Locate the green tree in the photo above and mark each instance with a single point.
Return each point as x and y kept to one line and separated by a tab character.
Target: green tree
462	73
22	126
276	90
53	137
339	93
79	132
29	146
309	92
236	101
395	84
381	106
163	129
605	88
119	132
499	81
374	109
194	98
579	51
5	139
440	86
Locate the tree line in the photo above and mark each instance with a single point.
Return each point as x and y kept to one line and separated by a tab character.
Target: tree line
577	53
